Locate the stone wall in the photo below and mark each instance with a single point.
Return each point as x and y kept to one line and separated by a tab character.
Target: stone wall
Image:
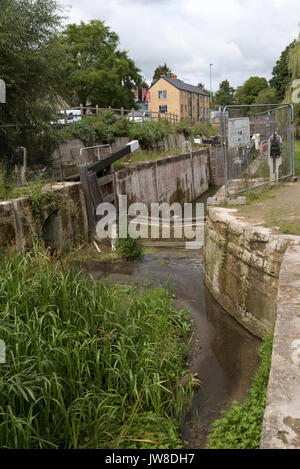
281	423
241	268
165	180
64	226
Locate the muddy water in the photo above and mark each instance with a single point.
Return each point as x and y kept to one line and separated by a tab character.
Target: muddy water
222	353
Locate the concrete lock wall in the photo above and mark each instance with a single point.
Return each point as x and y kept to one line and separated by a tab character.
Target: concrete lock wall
69	151
241	268
61	227
281	423
255	276
165	180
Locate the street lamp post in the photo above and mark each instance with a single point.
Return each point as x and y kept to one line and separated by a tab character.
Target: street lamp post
210	65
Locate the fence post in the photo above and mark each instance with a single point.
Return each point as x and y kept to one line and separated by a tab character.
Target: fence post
122	112
132	113
81	110
97	110
109	108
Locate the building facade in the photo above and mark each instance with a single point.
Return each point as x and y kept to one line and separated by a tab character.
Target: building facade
171	95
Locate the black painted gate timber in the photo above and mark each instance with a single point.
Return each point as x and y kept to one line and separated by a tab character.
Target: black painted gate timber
97	181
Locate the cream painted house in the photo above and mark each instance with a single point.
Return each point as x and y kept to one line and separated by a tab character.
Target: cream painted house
171	95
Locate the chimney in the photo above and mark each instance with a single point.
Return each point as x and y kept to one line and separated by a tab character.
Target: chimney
173	76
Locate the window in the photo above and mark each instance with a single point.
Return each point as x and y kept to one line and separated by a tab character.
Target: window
162	94
186	107
181	108
163	109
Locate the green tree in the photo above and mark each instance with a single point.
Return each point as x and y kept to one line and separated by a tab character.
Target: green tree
96	70
266	96
162	70
225	95
248	92
29	61
292	94
282	75
202	87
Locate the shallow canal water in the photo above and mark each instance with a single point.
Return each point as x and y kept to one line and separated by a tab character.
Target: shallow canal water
222	352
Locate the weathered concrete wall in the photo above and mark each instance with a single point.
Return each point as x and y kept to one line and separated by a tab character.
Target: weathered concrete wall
241	268
165	180
216	166
69	151
281	424
61	227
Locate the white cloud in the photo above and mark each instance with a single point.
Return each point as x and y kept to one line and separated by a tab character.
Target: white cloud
240	37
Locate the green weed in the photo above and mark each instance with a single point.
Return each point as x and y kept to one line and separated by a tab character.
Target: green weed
240	427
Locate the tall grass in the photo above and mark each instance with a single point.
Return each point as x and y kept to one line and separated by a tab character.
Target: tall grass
89	365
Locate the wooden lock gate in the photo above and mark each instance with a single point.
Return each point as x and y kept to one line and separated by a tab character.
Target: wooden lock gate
97	181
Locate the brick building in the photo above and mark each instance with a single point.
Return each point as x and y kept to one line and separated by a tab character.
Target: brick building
171	95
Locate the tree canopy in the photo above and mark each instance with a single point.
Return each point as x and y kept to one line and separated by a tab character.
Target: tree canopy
202	87
96	70
225	95
29	62
248	92
162	70
282	74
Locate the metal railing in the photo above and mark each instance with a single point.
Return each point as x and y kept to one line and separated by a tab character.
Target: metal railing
246	135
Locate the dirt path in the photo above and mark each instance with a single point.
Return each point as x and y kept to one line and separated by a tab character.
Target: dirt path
278	208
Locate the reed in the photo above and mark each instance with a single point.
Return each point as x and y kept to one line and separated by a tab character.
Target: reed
89	364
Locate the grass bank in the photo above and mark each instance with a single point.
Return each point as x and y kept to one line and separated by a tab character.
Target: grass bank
88	364
241	426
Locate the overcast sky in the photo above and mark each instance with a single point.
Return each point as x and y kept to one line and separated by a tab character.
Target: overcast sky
241	38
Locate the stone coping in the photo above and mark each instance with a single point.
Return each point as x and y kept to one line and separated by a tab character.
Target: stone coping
281	423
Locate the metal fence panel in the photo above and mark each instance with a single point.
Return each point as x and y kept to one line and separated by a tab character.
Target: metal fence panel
248	133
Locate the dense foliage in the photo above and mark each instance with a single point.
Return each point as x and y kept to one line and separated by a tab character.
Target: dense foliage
240	428
282	74
30	60
95	69
248	92
225	94
162	70
89	365
129	248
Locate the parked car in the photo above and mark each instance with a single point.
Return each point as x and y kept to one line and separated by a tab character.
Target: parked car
73	115
138	116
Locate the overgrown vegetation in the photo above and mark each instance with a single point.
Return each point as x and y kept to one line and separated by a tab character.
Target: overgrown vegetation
240	427
129	248
105	128
40	196
89	365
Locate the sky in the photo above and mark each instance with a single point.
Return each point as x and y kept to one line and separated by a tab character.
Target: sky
241	38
